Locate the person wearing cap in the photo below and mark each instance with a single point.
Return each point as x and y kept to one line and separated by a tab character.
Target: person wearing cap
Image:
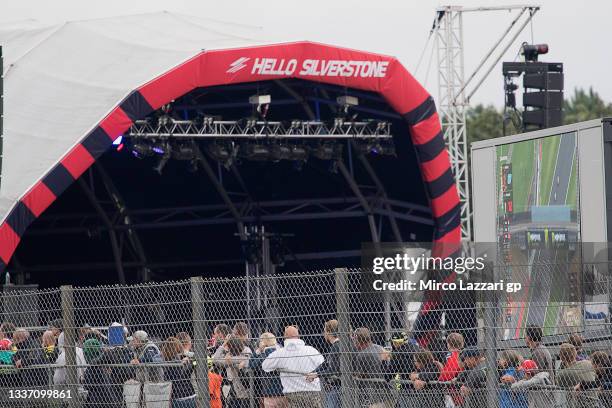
145	352
473	377
534	382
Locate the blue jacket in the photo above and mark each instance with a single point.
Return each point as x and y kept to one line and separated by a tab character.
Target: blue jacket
512	398
270	382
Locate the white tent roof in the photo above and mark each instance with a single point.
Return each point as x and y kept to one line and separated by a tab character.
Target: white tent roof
52	72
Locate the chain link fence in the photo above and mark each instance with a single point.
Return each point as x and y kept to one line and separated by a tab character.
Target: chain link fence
306	340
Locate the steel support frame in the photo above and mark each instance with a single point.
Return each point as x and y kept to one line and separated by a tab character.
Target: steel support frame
218	214
452	99
452	104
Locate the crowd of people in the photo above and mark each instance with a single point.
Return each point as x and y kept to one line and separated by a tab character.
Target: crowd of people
286	373
294	374
103	366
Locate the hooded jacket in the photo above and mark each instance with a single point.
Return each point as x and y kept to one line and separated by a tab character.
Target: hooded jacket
293	362
537	394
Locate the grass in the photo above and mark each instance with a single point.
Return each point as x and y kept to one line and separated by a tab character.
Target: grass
550	149
523	166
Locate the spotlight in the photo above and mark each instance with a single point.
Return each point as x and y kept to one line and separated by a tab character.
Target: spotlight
223	153
324	151
531	51
387	149
255	152
158	149
140	149
280	152
183	152
299	153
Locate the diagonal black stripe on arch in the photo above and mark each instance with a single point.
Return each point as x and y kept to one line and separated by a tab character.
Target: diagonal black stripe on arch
20	218
441	185
58	179
430	150
421	112
136	106
447	222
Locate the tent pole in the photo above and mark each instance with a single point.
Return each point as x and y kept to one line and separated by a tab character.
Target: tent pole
111	231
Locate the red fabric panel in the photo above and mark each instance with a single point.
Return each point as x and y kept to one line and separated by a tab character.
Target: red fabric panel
77	161
116	123
444	203
401	90
38	198
432	169
173	84
426	130
8	242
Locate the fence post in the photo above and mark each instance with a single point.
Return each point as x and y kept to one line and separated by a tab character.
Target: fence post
490	320
200	341
344	329
67	302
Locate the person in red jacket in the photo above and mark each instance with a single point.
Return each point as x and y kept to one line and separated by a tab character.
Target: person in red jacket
451	368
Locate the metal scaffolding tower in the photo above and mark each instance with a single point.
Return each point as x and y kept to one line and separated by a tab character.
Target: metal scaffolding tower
453	99
452	102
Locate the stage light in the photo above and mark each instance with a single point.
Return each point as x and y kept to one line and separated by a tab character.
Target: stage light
183	152
347	100
158	149
324	151
299	153
224	153
255	152
140	149
531	51
280	152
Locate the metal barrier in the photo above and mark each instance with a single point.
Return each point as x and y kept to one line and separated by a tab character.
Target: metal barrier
180	333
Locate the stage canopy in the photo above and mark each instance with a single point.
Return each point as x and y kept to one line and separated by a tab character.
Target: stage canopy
71	90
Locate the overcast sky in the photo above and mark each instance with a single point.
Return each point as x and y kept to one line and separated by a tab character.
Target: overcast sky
577	34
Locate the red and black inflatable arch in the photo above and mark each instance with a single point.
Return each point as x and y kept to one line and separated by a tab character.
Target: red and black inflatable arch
221	67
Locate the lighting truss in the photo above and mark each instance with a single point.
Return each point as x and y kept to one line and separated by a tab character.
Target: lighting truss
252	129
